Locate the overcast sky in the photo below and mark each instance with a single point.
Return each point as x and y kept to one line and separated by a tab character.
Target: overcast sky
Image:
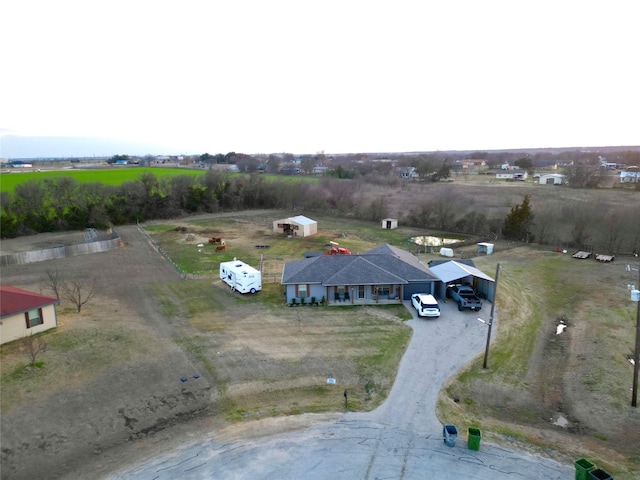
339	76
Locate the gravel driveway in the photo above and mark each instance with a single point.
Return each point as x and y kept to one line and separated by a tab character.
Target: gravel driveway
400	439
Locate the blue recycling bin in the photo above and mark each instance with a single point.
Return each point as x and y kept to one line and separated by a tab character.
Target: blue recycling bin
450	433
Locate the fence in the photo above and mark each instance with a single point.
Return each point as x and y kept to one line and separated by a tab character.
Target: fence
62	251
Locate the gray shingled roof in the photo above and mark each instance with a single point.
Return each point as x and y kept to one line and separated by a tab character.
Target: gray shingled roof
382	265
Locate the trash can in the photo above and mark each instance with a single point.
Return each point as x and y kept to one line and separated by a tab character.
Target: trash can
450	433
583	467
473	439
599	474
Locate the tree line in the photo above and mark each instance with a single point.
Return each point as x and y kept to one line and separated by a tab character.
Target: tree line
62	203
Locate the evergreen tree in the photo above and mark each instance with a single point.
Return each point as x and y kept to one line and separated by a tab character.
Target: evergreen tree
519	221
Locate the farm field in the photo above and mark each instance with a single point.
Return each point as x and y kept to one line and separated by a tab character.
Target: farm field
567	394
117	175
107	176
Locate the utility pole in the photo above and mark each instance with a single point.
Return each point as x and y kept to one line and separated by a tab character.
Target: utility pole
490	324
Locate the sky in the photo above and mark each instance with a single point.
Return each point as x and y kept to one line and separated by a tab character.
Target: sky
257	76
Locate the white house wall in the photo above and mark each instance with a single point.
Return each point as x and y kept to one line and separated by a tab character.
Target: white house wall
15	327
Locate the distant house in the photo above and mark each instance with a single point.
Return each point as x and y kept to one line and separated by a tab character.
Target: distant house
385	274
408	172
296	226
626	177
289	170
473	162
545	165
552	179
24	313
512	175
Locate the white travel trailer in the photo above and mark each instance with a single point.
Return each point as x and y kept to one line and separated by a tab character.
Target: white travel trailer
240	276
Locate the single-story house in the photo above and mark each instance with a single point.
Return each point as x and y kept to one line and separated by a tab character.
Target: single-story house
473	162
512	175
629	177
461	271
296	226
552	179
408	172
385	274
389	223
24	313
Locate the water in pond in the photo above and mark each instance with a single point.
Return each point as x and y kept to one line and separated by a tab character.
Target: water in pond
430	241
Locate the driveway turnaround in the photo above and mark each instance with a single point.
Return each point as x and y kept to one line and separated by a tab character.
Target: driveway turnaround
402	439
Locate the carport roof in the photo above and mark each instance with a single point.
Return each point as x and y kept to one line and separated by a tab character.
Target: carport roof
452	270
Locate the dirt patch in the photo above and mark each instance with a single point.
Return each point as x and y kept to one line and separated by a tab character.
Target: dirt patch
83	403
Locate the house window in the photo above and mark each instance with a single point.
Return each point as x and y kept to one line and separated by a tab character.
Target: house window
34	318
302	290
383	289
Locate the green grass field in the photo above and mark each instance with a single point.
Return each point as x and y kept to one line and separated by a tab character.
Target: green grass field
111	176
120	175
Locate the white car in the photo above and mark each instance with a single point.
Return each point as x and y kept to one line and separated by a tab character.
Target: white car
426	305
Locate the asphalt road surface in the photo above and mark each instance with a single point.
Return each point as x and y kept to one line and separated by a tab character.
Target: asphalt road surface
402	439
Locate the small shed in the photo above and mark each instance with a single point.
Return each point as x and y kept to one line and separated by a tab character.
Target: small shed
296	226
552	179
389	223
484	247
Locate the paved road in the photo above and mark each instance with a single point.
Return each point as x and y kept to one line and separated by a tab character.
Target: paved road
402	439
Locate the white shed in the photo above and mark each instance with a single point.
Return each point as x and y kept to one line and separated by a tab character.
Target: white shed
296	226
389	223
484	247
552	179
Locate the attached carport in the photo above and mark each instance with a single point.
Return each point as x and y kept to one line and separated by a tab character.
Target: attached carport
452	271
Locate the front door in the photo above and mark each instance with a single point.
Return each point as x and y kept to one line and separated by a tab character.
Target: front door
361	291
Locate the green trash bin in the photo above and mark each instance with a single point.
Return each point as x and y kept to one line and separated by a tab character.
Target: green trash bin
583	467
473	438
599	474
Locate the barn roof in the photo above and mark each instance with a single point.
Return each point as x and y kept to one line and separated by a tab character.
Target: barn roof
302	220
14	300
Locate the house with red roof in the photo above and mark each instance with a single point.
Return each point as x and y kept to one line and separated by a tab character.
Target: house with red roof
24	313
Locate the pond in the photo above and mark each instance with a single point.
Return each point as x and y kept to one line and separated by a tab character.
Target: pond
430	241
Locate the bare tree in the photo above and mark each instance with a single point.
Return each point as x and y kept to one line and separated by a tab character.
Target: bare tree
53	280
445	208
32	346
79	292
613	228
